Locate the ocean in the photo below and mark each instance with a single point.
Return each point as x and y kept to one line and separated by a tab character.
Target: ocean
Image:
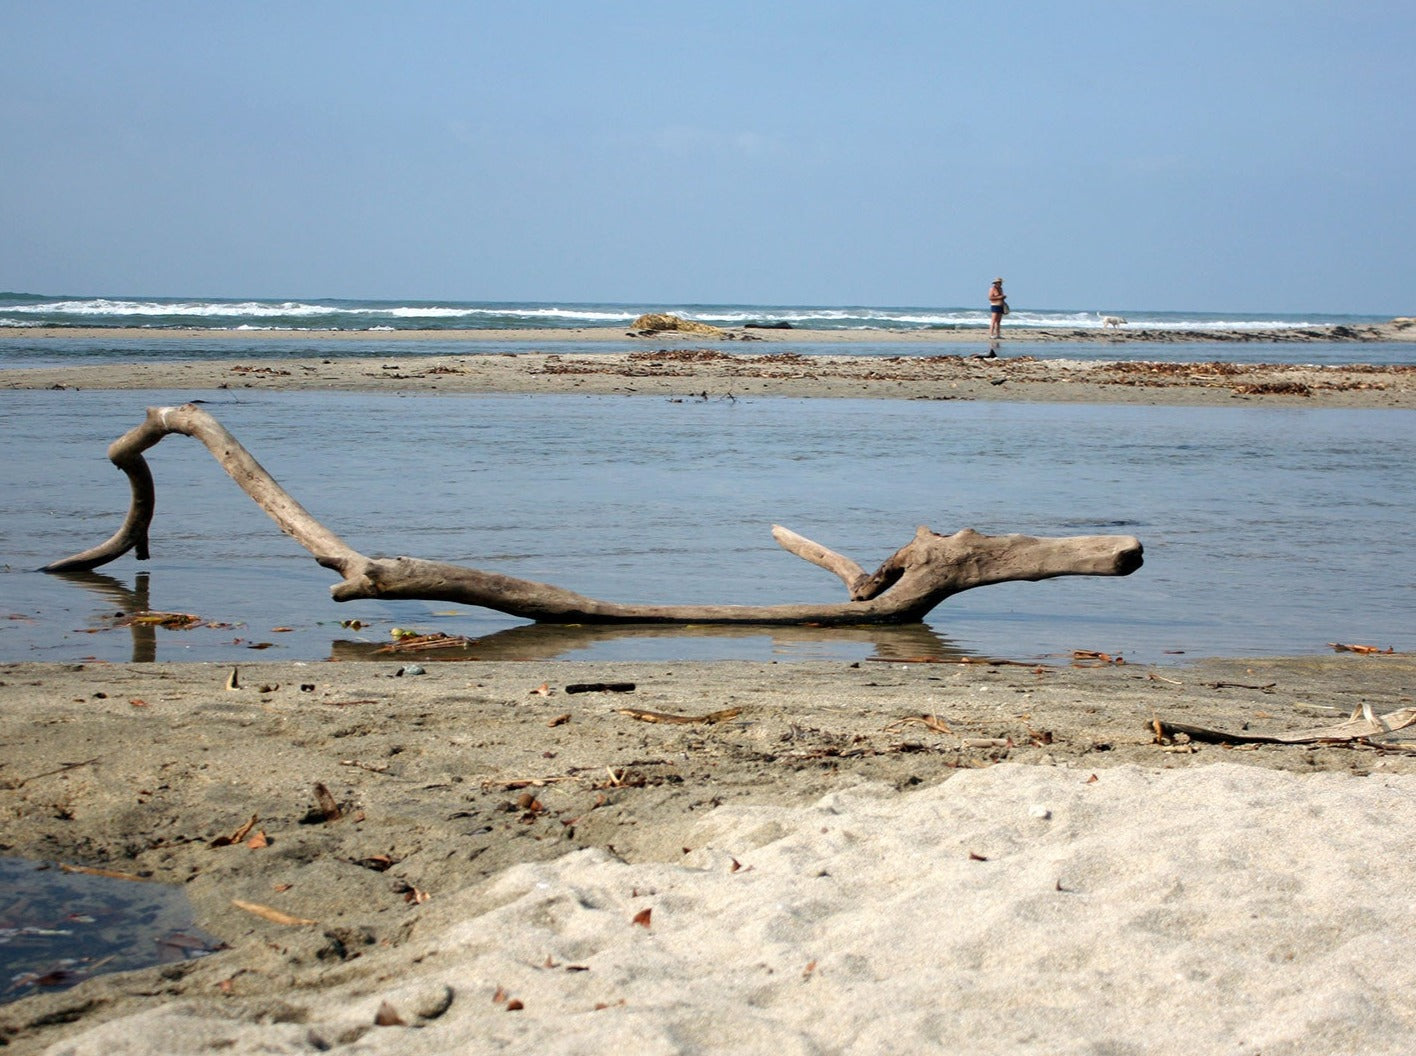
334	329
21	310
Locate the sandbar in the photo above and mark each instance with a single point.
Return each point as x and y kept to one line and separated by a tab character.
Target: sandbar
678	371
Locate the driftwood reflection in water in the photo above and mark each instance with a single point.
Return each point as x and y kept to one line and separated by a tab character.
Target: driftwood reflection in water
545	641
125	602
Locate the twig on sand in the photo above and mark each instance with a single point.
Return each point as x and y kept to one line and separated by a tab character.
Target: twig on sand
22	781
1362	725
662	716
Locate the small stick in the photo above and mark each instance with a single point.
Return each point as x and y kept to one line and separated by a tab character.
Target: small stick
21	782
663	716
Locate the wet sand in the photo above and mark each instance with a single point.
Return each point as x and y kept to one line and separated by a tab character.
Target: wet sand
686	372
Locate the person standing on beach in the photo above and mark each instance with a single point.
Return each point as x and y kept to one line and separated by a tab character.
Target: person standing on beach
997	306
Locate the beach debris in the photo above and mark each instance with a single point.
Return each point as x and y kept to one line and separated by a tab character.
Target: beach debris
560	720
271	914
233	680
409	669
326	810
112	874
931	722
642	917
379	863
373	768
640	715
239	836
986	742
258	841
514	783
600	687
1093	658
543	690
426	643
414	896
181	946
1364	650
387	1016
1362	725
176	621
20	782
962	661
1273	388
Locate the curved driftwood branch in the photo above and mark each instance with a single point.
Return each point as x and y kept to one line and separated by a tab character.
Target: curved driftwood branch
915	579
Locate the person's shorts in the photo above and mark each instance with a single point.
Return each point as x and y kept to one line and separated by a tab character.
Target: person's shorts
996	309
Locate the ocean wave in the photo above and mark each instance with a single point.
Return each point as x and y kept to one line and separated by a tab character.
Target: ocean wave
22	310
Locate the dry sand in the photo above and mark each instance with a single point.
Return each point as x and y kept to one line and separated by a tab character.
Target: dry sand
877	857
873	857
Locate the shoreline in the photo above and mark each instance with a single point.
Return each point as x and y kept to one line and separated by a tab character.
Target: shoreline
1400	329
708	373
478	798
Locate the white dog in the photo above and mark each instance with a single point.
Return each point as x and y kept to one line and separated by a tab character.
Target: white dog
1112	320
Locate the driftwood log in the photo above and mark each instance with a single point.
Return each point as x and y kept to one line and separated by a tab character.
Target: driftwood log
904	589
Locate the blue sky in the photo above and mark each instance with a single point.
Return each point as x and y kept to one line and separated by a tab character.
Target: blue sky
1233	156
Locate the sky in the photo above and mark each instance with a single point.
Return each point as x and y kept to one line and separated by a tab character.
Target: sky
1244	156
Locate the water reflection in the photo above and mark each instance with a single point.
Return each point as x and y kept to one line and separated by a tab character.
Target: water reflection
556	642
60	925
125	602
914	641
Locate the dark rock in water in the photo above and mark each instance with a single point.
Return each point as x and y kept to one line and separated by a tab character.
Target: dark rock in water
777	324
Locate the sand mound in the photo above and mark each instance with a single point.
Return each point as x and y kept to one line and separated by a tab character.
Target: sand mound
1012	909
